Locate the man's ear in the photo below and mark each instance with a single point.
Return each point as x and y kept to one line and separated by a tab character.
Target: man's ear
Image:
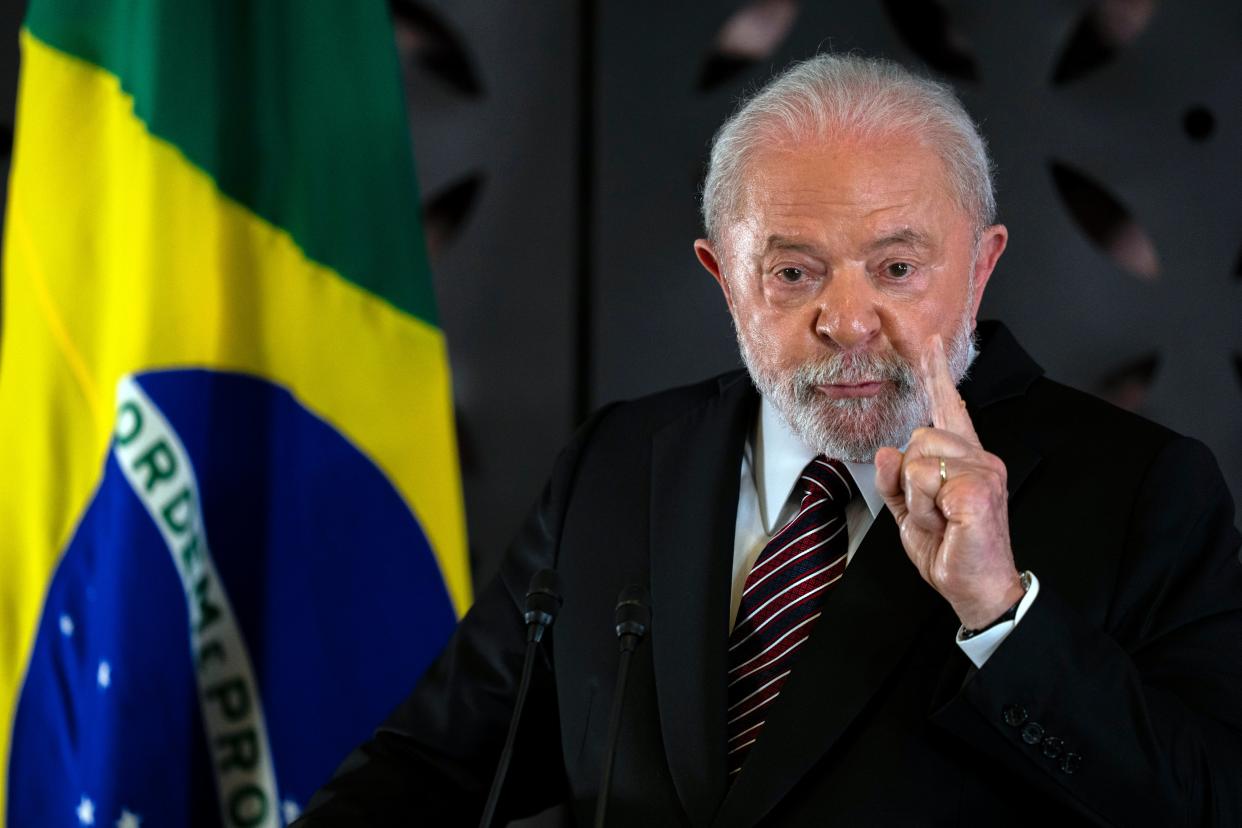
992	244
708	257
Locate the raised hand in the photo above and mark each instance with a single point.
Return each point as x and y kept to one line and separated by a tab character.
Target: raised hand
949	498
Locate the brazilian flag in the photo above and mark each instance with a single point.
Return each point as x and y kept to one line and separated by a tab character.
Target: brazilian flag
231	529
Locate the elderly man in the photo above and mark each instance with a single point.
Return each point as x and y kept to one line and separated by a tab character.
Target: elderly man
911	582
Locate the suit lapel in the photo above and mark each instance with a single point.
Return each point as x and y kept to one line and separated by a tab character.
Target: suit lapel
695	468
1003	372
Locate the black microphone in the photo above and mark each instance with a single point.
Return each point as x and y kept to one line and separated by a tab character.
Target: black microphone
633	617
543	601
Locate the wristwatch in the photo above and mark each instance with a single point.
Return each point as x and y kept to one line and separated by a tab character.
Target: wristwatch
1010	614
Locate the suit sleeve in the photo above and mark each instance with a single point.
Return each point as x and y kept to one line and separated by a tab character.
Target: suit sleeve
1137	721
433	760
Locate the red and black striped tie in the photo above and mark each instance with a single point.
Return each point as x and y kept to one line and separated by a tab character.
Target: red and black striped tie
781	601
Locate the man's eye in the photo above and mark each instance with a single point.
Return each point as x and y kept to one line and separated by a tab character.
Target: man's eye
899	270
790	274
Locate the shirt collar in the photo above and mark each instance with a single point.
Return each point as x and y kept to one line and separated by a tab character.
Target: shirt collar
779	458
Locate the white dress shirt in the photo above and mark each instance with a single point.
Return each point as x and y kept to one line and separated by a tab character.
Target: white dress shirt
772	462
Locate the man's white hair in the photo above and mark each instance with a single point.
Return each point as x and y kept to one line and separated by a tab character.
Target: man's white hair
830	95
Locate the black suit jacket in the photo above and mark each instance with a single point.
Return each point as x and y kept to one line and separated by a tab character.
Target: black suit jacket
1116	701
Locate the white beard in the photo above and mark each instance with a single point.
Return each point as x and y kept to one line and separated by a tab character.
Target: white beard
853	428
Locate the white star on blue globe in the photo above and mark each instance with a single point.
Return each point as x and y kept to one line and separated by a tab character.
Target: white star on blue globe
86	811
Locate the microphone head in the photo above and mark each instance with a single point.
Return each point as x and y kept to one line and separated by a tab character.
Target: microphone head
633	614
543	598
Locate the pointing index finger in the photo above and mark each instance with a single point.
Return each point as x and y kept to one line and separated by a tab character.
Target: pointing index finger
948	410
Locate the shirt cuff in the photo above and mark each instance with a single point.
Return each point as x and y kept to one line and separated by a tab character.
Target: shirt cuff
979	648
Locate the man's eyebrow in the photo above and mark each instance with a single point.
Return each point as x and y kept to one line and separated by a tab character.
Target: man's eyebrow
907	236
776	242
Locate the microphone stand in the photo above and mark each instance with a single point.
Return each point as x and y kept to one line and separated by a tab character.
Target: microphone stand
543	601
633	616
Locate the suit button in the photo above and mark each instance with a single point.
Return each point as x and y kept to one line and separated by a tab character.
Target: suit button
1014	715
1052	746
1033	733
1070	762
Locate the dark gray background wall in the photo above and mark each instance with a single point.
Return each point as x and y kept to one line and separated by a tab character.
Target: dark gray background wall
560	145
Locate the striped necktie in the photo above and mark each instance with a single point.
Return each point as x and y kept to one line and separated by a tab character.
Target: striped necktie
782	599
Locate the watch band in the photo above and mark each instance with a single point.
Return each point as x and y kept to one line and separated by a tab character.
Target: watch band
1024	578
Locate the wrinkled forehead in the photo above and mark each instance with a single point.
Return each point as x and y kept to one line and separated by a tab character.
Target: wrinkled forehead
868	186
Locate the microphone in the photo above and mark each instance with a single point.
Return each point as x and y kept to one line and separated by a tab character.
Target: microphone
543	601
633	617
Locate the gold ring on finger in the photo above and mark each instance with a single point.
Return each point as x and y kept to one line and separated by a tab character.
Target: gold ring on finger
944	474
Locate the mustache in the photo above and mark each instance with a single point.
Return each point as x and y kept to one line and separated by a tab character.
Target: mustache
850	368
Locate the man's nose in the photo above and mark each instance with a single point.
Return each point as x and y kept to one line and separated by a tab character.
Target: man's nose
848	314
